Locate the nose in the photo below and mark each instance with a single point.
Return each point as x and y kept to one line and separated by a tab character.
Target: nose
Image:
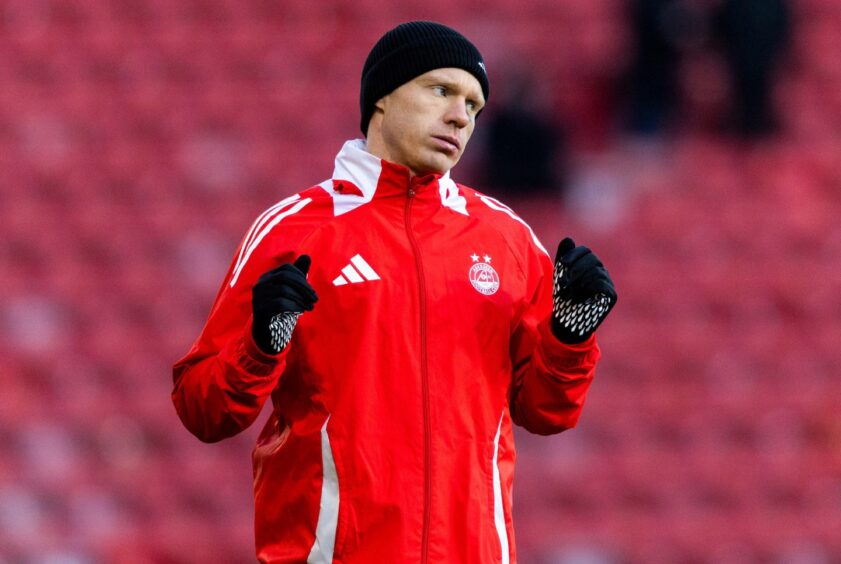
457	113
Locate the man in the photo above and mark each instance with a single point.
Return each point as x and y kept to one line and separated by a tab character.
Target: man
401	323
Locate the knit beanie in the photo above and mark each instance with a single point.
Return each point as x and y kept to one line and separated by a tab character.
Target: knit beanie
408	51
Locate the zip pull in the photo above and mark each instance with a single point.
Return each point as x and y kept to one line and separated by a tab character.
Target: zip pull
411	192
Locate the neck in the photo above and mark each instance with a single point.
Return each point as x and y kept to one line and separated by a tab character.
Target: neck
374	144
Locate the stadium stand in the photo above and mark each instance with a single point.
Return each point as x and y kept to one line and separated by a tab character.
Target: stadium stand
139	139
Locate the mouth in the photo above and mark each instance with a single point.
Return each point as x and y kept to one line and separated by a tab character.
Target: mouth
448	143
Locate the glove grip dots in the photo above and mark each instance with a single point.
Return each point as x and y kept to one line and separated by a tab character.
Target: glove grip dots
281	328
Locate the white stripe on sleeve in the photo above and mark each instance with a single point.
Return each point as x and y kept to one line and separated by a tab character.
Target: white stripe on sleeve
259	236
258	224
499	206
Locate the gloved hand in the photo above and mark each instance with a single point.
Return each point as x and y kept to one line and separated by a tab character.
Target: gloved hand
278	298
582	293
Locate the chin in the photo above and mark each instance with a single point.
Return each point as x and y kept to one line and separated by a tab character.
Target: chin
440	165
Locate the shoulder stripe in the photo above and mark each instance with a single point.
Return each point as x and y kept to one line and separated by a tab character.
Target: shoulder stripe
499	206
260	221
264	228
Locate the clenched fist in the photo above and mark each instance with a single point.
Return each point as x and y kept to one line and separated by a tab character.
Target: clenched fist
278	298
582	293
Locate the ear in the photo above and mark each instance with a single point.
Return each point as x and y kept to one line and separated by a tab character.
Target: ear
380	105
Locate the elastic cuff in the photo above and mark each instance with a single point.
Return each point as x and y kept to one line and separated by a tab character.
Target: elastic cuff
558	353
252	358
255	352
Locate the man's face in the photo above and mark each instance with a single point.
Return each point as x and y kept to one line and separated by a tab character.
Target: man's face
427	122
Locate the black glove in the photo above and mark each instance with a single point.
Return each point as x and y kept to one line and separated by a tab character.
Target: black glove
582	293
277	299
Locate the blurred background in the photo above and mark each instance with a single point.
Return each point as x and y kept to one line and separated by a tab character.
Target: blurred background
694	144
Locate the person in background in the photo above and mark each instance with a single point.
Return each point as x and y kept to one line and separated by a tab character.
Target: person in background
524	149
754	35
663	31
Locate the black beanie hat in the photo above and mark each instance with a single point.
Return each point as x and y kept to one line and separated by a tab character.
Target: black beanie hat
408	51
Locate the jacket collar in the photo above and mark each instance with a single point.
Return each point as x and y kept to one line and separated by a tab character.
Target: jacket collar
359	174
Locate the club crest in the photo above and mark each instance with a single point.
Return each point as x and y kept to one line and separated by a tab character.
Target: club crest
483	276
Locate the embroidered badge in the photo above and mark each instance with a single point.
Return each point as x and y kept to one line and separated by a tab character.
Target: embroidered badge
482	275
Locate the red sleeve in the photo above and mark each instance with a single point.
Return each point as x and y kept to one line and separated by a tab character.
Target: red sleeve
551	378
220	386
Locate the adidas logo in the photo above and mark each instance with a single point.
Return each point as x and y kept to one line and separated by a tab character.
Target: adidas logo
361	273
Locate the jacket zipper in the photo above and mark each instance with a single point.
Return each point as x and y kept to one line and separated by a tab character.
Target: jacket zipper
427	433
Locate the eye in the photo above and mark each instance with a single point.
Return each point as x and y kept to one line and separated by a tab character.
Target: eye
473	107
440	90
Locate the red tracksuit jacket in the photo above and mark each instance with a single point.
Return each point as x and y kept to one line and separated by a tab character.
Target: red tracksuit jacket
390	438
